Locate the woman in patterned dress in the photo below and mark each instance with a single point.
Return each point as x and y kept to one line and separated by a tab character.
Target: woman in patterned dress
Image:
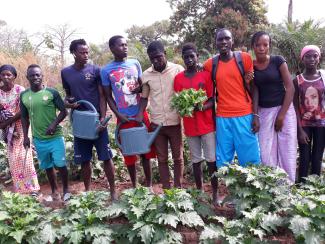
23	174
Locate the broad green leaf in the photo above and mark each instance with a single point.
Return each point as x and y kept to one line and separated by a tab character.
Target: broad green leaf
18	235
313	238
98	230
4	215
48	234
211	232
103	240
299	225
137	211
76	237
191	219
258	232
146	233
168	219
175	237
271	222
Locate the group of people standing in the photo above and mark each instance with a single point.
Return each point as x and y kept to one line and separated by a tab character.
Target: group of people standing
254	108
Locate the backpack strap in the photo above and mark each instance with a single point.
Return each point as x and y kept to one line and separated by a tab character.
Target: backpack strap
240	65
215	61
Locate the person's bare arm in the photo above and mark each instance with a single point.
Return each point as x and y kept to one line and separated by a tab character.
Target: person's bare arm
255	98
288	98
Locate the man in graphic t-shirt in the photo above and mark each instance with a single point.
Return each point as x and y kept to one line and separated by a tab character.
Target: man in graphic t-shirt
122	77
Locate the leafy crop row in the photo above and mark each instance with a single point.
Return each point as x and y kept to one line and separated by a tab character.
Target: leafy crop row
264	203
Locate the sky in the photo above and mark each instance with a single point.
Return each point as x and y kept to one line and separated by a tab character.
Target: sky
97	20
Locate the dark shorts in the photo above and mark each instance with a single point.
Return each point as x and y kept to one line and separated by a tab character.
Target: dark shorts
83	148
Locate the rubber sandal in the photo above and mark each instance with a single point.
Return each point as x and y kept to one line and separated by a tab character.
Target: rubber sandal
34	194
67	196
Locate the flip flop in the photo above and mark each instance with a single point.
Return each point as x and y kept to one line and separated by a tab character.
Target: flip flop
67	196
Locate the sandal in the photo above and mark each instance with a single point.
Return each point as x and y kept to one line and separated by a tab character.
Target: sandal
67	196
34	194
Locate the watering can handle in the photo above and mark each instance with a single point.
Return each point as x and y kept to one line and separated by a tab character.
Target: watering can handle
89	104
85	102
118	129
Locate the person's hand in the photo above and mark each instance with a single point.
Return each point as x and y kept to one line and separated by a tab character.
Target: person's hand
69	102
139	117
50	130
26	142
153	126
136	90
278	123
307	116
102	125
123	118
196	108
302	136
255	124
249	76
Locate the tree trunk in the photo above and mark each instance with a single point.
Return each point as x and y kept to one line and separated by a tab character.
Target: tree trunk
290	12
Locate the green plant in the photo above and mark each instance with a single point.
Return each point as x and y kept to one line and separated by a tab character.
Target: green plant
307	210
256	186
19	218
82	221
154	218
187	100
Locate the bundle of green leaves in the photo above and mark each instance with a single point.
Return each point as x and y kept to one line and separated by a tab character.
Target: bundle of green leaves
186	101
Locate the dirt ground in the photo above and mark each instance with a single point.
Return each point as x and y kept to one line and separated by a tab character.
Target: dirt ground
190	236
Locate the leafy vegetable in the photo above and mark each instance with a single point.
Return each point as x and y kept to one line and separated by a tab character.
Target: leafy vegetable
187	100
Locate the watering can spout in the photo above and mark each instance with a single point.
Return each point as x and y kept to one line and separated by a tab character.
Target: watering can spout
153	135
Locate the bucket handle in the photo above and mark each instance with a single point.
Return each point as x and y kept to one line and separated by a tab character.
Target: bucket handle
117	130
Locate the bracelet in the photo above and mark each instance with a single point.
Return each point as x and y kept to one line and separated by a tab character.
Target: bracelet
256	115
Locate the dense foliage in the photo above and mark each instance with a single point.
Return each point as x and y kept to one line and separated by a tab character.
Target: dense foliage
264	201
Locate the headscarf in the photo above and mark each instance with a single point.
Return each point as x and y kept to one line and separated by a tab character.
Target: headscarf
309	48
9	68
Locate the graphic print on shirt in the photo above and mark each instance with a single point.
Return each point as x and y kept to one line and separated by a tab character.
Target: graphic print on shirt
312	102
125	80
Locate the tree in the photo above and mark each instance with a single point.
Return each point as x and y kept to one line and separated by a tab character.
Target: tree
290	9
289	39
146	34
197	21
58	38
100	54
12	41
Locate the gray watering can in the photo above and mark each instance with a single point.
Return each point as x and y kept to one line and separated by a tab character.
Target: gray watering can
136	140
85	122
